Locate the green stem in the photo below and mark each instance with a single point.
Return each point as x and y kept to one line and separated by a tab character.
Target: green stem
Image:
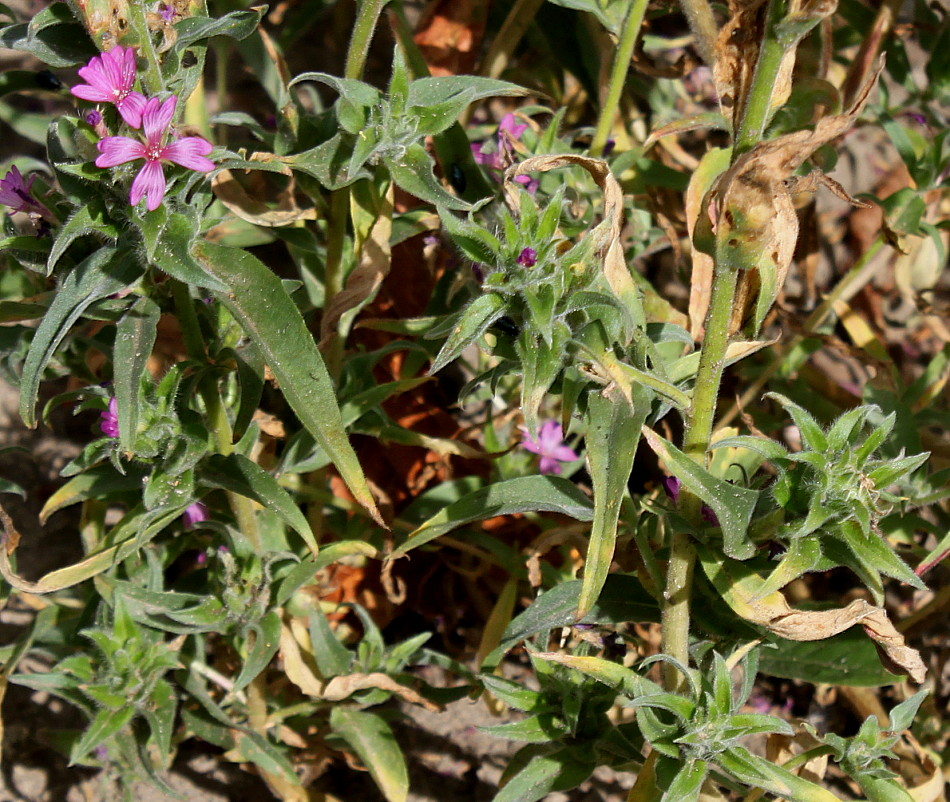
699	15
679	576
367	15
618	75
152	79
758	105
511	33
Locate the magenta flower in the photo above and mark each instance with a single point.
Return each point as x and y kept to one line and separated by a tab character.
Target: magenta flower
549	445
194	514
528	257
16	192
109	419
503	154
188	151
109	79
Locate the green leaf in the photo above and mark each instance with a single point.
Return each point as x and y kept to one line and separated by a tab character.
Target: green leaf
331	553
236	25
623	599
329	162
545	774
257	749
372	740
259	302
688	782
849	658
266	643
613	434
106	724
475	242
161	719
53	36
332	657
172	253
732	504
513	694
757	772
413	173
95	482
813	438
524	494
88	219
471	323
104	273
238	474
540	728
433	91
134	338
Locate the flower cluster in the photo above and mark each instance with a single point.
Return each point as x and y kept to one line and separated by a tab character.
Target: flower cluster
110	78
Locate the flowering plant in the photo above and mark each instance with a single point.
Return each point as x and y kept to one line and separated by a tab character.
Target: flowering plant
310	351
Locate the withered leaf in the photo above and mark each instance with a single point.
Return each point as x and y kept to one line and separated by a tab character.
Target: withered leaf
741	588
751	217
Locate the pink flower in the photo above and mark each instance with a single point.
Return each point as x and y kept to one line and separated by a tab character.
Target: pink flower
189	152
549	446
528	257
16	192
109	79
109	419
503	153
194	514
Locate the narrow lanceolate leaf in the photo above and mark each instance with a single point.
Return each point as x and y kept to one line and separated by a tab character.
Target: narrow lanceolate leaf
103	274
134	338
524	494
240	475
372	740
612	438
732	504
260	304
472	323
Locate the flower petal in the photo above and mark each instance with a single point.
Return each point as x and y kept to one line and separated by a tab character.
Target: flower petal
156	117
549	465
150	183
92	93
131	108
190	152
564	454
118	150
95	74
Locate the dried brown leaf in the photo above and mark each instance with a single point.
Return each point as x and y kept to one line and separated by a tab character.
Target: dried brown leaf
340	688
232	194
750	208
740	586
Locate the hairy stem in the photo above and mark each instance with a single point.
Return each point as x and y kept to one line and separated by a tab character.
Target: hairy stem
618	75
698	432
699	15
758	105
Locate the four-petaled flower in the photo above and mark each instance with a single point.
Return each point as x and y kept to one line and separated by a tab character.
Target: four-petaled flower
189	152
109	79
109	419
16	192
549	445
194	514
